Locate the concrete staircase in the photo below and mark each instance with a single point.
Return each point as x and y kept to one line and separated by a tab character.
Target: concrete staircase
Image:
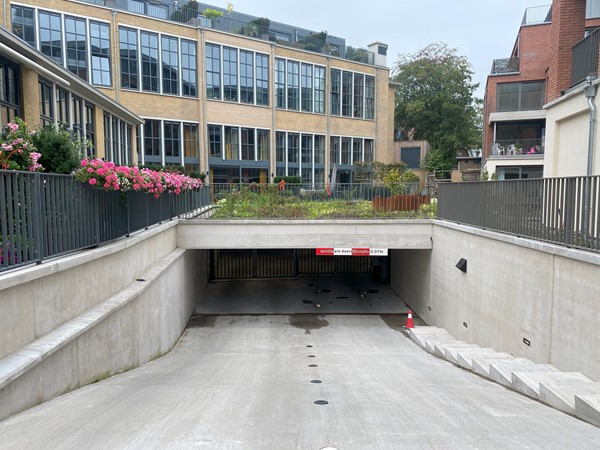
570	392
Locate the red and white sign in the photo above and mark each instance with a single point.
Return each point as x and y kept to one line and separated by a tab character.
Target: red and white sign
356	251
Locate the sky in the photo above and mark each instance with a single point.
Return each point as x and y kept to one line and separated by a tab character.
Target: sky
481	30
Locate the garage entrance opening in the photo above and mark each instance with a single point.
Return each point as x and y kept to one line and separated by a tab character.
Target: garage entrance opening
245	264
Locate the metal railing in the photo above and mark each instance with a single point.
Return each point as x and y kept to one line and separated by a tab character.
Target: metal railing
559	210
585	58
47	215
505	65
191	15
314	191
511	147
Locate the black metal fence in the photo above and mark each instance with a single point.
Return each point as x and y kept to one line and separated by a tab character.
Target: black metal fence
46	215
559	210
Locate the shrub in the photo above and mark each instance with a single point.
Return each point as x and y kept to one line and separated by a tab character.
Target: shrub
61	151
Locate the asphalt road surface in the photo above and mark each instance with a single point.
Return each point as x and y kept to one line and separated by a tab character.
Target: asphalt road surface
251	382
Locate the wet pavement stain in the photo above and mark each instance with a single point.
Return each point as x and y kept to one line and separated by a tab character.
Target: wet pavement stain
202	321
307	322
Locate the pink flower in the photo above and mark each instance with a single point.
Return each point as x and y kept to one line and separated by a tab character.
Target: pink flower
93	181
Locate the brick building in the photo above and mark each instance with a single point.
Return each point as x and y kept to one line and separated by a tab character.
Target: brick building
548	63
240	102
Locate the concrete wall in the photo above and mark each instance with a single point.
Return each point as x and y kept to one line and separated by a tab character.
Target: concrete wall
513	289
567	130
63	337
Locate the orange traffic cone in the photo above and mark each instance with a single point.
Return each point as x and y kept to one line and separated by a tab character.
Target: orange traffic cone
409	323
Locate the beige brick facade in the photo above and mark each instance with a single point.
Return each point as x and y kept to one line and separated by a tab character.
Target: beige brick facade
202	112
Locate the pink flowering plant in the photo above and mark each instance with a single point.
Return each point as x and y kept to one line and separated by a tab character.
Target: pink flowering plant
108	175
17	151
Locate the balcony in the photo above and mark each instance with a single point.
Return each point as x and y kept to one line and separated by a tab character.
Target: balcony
505	65
518	147
525	96
585	58
537	15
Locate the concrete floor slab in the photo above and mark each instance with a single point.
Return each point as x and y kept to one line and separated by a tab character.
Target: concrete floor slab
321	294
244	382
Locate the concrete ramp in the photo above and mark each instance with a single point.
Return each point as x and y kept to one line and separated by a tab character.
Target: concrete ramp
569	392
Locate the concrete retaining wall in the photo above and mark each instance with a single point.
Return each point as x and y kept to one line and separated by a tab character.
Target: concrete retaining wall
86	317
514	289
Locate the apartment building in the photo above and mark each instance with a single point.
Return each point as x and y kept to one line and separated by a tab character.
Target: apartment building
536	111
515	121
235	102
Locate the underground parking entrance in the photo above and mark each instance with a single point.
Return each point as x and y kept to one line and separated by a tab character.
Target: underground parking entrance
297	281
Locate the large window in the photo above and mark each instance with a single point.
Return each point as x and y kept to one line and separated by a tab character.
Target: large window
62	107
213	71
346	146
369	97
246	77
293	150
280	83
230	74
170	65
319	89
307	88
189	71
129	58
172	142
149	47
592	9
191	141
336	92
347	94
90	128
359	92
280	147
10	104
78	112
23	23
214	141
100	53
46	103
76	39
152	138
50	36
248	151
262	79
293	87
263	144
232	143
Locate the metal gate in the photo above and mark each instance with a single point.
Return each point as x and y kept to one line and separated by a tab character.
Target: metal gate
232	264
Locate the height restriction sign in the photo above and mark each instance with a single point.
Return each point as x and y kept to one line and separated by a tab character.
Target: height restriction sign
354	251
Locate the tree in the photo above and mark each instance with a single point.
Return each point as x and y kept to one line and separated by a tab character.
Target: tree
435	101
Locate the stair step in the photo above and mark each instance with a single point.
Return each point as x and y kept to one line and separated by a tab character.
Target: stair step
421	334
528	383
587	407
465	359
431	343
501	372
562	395
452	352
481	364
439	348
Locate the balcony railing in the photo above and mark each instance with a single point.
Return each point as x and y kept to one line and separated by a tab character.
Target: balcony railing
585	58
191	16
536	15
523	101
513	147
505	65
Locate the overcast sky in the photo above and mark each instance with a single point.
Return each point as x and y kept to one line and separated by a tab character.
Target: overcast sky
481	30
